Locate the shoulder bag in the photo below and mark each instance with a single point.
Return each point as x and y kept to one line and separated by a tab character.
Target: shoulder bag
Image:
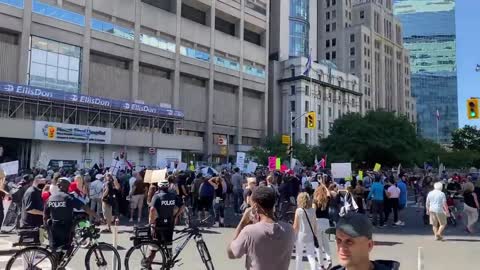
315	239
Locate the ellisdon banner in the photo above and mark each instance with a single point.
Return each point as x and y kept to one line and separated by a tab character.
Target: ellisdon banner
39	92
52	131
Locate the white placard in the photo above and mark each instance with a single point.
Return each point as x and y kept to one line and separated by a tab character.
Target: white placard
181	167
53	131
252	167
10	168
341	170
240	160
60	164
158	176
294	163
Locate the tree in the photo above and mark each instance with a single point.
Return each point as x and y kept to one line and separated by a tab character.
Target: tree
379	136
467	138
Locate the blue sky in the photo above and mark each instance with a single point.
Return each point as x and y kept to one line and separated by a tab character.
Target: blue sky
468	55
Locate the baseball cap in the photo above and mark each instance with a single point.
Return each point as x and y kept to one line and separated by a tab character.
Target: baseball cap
163	183
355	225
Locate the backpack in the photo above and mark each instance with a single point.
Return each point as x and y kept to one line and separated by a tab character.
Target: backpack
206	190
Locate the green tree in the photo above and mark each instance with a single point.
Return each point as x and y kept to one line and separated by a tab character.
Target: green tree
379	136
467	138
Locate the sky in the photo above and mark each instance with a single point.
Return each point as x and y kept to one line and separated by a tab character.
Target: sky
468	55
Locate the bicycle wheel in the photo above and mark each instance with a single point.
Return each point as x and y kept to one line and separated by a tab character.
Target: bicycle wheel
102	256
205	255
31	258
141	255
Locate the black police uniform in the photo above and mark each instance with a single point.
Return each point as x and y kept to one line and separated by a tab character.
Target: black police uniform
165	203
59	208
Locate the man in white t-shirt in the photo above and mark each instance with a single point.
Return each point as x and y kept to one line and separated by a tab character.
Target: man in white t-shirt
132	180
95	194
393	196
437	208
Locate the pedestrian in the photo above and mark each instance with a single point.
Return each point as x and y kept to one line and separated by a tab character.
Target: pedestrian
358	192
79	190
237	183
376	195
95	194
3	194
306	230
247	193
321	198
195	188
206	194
266	243
437	208
137	197
393	193
471	206
354	237
54	184
402	199
109	200
32	204
219	202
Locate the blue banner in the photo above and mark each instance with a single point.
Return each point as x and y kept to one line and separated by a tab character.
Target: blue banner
39	92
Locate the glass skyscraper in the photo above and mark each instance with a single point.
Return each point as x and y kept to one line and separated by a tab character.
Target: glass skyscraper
429	34
299	28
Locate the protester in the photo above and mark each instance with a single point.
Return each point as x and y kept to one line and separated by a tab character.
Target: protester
206	194
46	193
247	193
377	196
471	206
32	204
437	209
306	230
195	190
109	200
95	194
354	237
219	203
237	183
137	197
321	198
393	193
402	199
267	244
358	193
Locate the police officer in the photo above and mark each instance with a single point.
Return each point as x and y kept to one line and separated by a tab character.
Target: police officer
162	216
58	215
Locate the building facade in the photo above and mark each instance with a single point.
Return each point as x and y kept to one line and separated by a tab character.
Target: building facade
363	37
430	35
157	79
324	89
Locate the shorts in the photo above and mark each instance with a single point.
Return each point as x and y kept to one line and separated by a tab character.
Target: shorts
438	219
136	201
107	211
164	234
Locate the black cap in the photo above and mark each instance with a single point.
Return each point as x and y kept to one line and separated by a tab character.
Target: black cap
355	225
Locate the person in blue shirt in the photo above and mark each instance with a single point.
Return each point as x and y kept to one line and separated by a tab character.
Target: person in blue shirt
376	195
402	200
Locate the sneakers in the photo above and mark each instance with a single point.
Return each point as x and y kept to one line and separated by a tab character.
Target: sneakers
399	223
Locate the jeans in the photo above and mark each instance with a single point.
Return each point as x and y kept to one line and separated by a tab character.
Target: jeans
377	209
322	225
237	199
96	205
393	206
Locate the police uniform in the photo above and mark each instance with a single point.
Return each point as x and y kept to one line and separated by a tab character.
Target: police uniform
59	209
164	203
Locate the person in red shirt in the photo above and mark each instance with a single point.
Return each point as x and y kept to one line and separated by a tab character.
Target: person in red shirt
46	193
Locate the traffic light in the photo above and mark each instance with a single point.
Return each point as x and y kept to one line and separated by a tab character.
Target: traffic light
472	108
311	120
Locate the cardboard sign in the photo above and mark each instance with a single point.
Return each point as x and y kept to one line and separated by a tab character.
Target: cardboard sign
360	174
158	176
272	163
377	167
251	167
148	176
341	170
10	168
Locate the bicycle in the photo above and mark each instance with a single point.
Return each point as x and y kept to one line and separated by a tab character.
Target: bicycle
33	256
11	221
163	260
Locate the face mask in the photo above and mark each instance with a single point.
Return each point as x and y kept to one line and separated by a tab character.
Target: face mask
41	186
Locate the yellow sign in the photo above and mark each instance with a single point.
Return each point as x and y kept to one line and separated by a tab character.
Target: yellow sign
286	139
377	167
223	150
278	164
360	173
52	132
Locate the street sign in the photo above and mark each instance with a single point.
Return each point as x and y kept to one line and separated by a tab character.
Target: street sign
152	150
222	141
286	139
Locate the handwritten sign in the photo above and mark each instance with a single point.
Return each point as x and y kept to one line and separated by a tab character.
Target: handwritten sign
272	163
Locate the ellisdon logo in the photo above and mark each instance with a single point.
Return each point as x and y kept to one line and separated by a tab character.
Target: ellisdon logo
26	90
90	100
139	107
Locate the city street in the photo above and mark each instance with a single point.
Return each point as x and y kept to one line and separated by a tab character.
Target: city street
458	251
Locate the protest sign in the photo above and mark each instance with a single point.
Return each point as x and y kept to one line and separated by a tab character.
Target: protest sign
377	167
240	160
272	163
10	168
341	170
251	167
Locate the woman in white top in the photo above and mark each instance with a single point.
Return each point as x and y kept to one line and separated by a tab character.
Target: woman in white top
393	194
305	225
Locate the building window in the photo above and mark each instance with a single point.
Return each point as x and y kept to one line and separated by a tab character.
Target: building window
319	109
334	27
292	90
252	37
292	105
334	55
334	2
328	28
307	106
306	138
319	125
352	38
329	112
299	9
327	56
327	43
352	51
299	36
328	15
362	14
328	3
54	65
292	72
334	42
224	26
53	11
193	14
334	14
339	113
307	90
352	64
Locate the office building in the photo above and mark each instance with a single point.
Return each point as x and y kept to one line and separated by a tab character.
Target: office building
159	80
362	37
429	34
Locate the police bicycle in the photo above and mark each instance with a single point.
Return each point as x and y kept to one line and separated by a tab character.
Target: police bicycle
34	257
144	245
